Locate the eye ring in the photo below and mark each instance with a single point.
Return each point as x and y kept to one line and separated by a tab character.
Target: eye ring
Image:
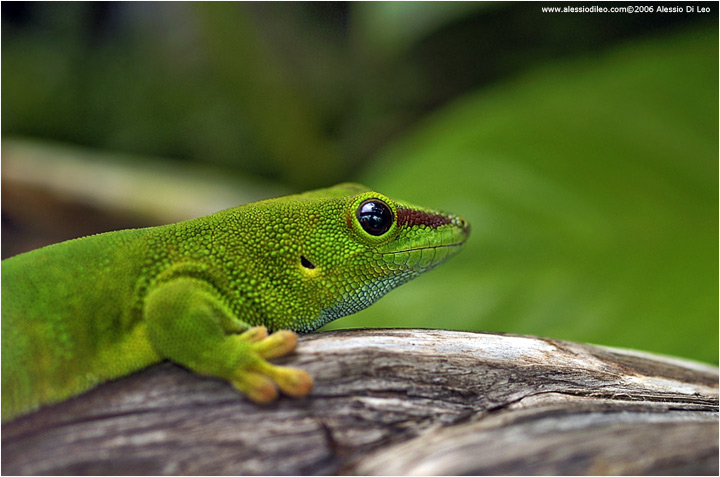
375	217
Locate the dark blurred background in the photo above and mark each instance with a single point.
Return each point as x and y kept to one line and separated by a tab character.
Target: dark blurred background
582	147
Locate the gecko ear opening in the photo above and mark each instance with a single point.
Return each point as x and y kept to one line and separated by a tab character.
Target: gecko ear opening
306	263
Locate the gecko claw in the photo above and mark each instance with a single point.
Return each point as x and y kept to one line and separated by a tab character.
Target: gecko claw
256	386
291	381
277	344
258	379
254	334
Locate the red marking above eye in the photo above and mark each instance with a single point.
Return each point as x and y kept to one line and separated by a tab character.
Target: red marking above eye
412	217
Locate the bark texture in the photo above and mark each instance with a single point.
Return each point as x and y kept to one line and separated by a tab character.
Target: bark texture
394	402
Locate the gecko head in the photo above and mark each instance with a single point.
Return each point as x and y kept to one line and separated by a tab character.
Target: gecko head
405	237
382	244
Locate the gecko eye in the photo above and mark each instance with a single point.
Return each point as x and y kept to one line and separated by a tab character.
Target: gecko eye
375	217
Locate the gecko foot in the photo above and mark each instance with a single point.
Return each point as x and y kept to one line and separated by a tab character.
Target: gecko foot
261	380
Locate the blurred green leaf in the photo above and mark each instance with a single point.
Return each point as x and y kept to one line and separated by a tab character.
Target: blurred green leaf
388	28
591	187
283	122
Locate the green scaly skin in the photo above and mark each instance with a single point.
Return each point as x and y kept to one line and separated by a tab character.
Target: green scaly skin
203	293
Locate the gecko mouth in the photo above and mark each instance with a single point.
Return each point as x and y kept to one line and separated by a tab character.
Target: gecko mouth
431	247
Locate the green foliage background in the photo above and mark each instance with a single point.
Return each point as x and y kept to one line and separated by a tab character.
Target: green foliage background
591	187
583	149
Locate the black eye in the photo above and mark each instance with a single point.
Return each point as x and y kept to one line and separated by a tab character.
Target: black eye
375	217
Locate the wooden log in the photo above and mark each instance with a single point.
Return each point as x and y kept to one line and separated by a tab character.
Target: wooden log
394	402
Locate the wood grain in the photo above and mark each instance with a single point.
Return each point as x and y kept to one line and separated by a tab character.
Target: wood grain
408	402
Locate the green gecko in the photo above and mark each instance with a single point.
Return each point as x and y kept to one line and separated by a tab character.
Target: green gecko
204	293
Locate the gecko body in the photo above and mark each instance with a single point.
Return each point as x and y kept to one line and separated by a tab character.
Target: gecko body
205	293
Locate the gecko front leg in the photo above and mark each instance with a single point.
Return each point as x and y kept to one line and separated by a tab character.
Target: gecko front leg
187	324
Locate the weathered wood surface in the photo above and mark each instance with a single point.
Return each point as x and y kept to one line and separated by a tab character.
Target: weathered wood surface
394	402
